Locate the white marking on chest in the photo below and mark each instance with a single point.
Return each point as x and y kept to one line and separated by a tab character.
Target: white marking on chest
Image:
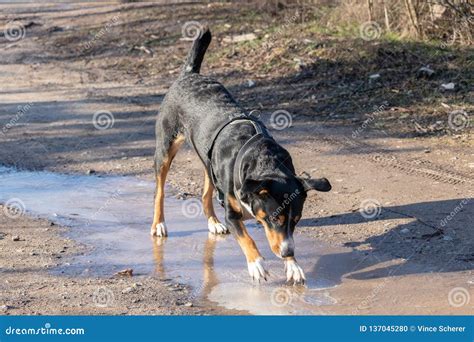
247	211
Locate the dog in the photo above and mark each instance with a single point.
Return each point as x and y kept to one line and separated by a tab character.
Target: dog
253	175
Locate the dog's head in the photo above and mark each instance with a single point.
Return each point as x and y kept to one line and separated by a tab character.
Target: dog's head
277	204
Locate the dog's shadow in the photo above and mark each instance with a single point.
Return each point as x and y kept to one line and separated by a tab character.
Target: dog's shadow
434	237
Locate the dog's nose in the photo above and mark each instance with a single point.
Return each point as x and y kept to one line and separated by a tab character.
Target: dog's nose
287	249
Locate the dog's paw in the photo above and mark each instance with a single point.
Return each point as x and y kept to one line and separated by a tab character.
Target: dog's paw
215	227
257	270
294	273
159	229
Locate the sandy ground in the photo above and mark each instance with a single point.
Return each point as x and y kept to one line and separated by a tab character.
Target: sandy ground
30	248
49	95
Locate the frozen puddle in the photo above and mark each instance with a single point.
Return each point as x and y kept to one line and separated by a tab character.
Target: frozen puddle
113	215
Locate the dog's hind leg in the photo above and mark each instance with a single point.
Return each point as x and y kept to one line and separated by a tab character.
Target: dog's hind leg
213	223
166	148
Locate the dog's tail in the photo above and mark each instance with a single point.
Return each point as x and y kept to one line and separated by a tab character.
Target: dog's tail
196	54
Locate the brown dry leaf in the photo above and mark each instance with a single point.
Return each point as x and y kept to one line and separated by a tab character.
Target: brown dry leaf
125	273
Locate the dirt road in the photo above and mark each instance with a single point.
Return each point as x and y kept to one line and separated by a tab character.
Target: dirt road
402	202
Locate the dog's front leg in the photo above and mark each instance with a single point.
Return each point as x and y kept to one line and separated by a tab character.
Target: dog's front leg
294	273
254	259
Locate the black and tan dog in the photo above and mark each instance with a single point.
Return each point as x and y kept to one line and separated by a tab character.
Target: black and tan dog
253	175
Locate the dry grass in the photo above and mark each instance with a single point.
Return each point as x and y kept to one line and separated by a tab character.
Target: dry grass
445	20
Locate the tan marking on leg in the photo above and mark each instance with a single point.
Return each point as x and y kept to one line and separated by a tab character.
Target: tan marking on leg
158	216
207	193
247	244
260	215
234	204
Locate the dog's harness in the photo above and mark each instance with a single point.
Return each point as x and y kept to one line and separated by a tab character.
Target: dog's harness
261	132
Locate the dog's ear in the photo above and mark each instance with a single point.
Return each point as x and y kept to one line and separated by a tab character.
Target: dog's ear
253	187
319	184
